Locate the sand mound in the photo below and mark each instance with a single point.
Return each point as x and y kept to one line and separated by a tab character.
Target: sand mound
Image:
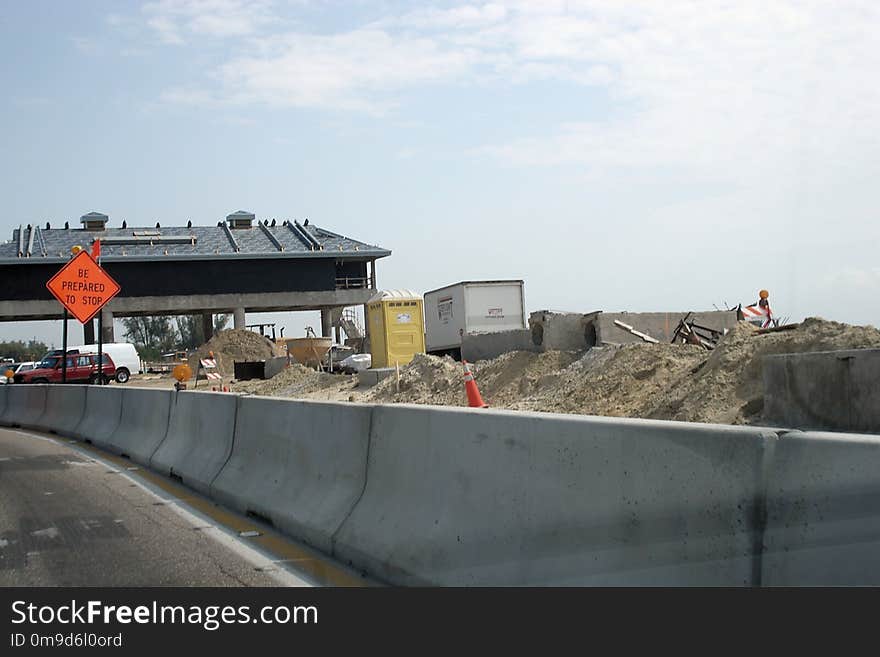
233	345
424	380
293	381
662	381
728	388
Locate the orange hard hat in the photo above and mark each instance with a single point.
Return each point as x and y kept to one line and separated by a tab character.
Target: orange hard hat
763	294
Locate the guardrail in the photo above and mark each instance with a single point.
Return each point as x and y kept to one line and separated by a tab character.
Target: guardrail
446	496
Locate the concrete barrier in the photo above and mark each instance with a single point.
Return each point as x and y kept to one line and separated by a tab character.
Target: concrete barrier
473	497
302	465
4	387
65	407
199	438
143	423
25	405
101	416
829	390
823	511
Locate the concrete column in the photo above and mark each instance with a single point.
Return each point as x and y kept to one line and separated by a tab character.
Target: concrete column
238	318
107	328
326	323
208	325
89	332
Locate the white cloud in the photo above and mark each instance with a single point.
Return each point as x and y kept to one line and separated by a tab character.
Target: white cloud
692	85
174	21
343	71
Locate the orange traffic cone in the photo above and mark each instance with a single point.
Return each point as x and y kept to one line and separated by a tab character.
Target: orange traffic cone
470	387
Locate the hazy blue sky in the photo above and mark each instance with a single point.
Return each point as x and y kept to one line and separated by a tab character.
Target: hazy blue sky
614	155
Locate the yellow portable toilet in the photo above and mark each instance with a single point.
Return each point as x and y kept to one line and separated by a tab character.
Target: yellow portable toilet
397	327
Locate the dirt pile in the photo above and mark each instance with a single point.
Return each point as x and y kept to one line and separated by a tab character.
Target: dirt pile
440	381
425	380
625	381
728	387
661	381
298	381
233	345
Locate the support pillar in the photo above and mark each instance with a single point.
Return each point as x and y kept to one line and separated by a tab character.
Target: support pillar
107	328
326	323
238	318
338	334
208	325
89	332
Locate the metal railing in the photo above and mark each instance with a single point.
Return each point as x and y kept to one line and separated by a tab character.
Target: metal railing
352	283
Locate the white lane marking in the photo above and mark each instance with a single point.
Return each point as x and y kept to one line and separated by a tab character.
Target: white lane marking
48	492
225	537
3	542
49	532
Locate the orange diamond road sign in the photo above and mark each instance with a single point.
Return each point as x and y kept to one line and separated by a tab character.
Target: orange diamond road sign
83	287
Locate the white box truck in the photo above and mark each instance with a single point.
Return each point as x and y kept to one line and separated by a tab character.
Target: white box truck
470	307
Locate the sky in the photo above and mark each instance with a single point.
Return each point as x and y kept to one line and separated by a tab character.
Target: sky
639	156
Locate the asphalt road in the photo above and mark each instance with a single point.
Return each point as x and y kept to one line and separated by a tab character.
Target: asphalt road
68	518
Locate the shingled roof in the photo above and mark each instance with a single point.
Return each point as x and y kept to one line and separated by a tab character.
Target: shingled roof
282	239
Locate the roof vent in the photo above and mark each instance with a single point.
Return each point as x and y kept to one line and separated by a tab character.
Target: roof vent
240	219
94	221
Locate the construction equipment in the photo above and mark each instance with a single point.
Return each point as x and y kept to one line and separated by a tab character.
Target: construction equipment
310	350
351	324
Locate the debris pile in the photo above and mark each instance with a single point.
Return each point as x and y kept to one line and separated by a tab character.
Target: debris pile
661	381
294	381
728	387
233	345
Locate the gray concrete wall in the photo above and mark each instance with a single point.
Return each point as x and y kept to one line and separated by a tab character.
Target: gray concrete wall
552	330
469	497
578	331
484	346
832	390
369	378
419	494
274	366
823	511
660	326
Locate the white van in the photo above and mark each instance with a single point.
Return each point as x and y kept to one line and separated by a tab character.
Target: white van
125	357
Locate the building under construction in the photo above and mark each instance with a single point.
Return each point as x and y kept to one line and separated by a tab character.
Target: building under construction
240	265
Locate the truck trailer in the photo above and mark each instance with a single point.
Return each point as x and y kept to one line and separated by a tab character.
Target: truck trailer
471	307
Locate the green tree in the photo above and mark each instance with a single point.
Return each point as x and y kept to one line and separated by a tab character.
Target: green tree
191	332
152	336
23	351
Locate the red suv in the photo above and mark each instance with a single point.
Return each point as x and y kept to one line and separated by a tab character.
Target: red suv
81	368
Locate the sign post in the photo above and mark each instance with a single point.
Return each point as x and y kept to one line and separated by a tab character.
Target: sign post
83	288
64	349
